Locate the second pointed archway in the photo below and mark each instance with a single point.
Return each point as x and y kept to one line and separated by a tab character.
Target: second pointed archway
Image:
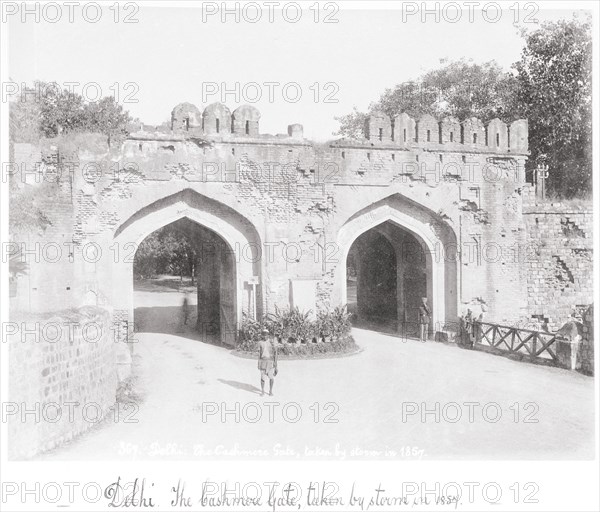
422	240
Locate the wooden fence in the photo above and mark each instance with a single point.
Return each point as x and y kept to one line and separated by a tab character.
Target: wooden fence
535	344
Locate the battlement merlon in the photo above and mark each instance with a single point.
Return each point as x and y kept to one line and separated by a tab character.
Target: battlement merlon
217	122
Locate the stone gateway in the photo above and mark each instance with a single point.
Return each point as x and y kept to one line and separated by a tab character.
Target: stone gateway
417	208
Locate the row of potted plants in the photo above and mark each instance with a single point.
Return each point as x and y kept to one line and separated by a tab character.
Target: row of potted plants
295	326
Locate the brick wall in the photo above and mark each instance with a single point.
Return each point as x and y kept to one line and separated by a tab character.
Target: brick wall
293	192
558	261
62	370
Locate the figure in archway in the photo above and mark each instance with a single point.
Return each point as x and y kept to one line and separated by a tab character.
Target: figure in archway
185	309
424	319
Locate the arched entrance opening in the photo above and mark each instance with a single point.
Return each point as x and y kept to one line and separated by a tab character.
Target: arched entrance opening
185	284
229	269
387	275
426	261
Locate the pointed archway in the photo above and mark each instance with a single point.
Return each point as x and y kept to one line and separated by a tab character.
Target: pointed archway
235	258
425	257
203	307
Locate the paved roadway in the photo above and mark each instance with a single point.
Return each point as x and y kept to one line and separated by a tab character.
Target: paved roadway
365	406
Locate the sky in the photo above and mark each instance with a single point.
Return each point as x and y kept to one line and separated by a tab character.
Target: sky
305	72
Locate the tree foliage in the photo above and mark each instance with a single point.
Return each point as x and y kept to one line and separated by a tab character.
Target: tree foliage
555	95
108	117
166	251
550	86
24	120
461	88
26	213
46	110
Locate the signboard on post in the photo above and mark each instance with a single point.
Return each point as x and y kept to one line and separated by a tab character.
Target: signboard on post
253	282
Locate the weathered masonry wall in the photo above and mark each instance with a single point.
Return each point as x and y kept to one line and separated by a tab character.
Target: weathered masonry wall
559	263
62	377
290	209
48	281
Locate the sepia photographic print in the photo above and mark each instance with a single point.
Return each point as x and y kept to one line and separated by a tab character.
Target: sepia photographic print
299	256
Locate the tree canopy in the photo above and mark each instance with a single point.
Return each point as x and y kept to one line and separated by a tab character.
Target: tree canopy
46	110
555	95
166	251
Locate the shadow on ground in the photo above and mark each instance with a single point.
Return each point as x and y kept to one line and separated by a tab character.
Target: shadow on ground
241	385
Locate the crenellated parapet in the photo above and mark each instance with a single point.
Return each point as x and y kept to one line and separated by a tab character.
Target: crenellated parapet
427	132
403	132
450	130
216	121
473	133
519	136
404	128
497	134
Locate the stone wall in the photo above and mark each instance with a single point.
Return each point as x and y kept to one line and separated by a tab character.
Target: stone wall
52	279
558	261
301	203
62	377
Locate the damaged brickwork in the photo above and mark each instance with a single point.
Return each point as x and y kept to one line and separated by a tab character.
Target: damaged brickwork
459	187
559	261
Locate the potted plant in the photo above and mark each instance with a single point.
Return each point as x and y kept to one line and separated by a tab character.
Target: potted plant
340	323
300	324
323	326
